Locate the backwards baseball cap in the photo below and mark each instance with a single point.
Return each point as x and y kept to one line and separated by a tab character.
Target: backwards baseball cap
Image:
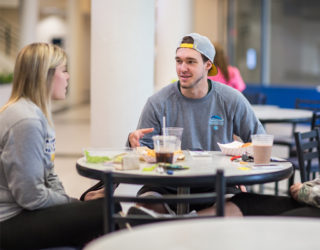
203	45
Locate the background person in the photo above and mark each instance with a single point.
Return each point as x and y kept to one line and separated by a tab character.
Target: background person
304	201
35	211
227	74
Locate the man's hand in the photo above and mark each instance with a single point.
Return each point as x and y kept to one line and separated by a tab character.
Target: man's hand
294	190
135	136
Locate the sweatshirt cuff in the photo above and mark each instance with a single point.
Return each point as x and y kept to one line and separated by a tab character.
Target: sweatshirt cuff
304	193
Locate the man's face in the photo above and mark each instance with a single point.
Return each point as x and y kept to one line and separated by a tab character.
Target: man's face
190	67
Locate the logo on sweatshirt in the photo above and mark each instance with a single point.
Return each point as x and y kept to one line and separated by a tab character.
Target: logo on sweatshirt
50	147
216	121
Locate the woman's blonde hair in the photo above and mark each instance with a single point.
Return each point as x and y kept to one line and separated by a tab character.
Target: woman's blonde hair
33	74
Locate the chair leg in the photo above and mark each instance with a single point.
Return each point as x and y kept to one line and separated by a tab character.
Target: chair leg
109	204
276	188
261	188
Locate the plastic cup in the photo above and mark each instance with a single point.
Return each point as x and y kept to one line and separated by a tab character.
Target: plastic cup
174	131
262	148
164	147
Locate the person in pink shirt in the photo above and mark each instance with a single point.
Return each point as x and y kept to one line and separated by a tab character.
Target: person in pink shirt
227	74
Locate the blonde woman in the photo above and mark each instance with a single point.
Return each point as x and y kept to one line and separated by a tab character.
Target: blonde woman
35	211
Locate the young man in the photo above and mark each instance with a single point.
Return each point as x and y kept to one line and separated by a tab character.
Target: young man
210	112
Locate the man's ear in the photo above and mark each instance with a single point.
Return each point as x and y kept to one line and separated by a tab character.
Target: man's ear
208	65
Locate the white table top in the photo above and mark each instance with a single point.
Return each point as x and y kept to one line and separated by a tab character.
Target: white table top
199	166
262	233
267	113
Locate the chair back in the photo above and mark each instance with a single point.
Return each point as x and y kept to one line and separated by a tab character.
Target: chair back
313	105
256	98
315	122
308	150
111	218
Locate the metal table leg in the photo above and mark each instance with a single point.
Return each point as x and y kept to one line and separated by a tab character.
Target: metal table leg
183	208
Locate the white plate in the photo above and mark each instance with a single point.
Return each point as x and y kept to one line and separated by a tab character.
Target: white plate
234	148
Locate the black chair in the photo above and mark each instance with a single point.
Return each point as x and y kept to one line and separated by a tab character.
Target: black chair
111	218
312	105
256	98
308	150
289	141
315	122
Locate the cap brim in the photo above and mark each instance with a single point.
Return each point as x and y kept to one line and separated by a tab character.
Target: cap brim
213	71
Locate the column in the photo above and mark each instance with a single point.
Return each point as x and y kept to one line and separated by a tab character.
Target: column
174	19
78	49
29	13
265	42
122	71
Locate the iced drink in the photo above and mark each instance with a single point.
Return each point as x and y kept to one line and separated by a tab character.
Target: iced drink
164	147
262	147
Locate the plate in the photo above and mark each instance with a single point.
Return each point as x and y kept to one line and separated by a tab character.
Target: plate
102	155
236	148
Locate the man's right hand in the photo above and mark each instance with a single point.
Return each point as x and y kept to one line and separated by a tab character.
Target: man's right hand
135	136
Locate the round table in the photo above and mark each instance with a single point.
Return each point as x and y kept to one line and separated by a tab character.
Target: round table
201	171
250	233
274	114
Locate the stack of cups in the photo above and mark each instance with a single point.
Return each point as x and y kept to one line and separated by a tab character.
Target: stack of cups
174	131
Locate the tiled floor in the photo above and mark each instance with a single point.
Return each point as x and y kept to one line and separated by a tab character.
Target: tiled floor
73	134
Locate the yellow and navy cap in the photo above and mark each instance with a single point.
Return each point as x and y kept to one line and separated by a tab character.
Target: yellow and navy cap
203	45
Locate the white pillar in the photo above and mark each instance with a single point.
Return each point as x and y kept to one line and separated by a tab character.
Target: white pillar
122	59
79	56
29	13
174	20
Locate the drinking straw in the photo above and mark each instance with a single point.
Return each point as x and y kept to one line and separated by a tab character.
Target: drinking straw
164	125
164	130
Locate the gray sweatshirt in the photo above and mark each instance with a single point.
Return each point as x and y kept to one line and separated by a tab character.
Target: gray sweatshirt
214	118
309	193
27	149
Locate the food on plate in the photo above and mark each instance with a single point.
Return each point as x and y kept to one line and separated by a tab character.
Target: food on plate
96	158
179	154
248	144
149	155
118	158
101	157
236	148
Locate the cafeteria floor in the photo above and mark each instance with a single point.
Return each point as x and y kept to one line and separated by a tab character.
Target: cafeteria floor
73	134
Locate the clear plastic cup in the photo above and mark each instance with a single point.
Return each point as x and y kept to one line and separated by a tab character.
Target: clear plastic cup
262	148
164	147
175	131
